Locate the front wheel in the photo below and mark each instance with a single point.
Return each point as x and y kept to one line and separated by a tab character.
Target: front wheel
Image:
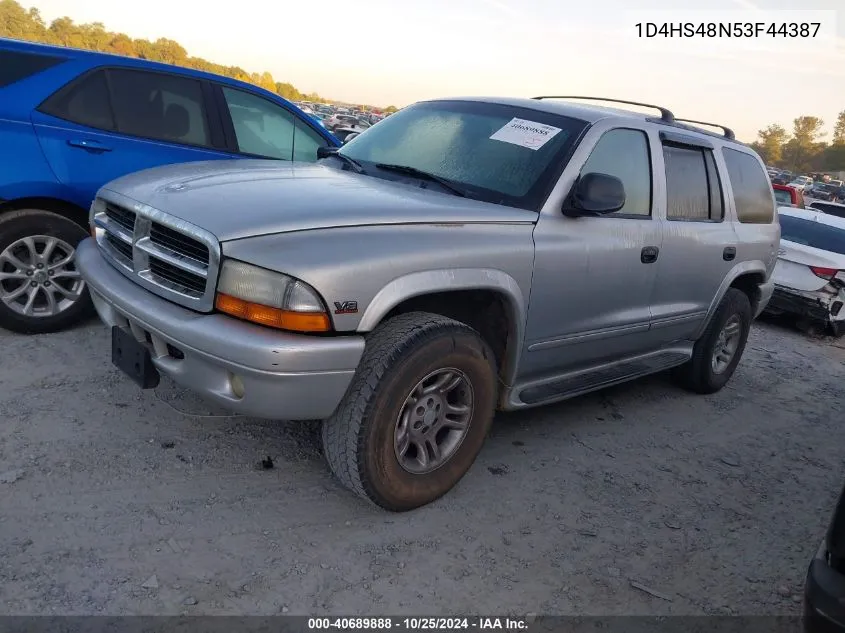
717	353
416	414
40	288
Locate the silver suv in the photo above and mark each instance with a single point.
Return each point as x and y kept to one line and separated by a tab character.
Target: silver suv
460	257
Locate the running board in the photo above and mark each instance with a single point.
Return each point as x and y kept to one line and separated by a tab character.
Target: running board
584	381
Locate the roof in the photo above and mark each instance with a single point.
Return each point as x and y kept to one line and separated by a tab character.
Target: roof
97	57
589	112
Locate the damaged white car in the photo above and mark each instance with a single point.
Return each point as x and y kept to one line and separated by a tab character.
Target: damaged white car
810	272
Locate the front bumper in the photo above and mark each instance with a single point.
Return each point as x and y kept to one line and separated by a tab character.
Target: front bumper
824	597
285	376
818	306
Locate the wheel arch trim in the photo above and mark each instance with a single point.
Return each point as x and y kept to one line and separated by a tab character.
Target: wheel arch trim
447	280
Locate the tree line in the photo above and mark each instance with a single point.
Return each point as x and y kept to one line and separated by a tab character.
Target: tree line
804	150
19	23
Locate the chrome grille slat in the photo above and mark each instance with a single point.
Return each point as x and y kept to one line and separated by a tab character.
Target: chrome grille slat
113	228
173	258
174	241
123	217
164	254
177	277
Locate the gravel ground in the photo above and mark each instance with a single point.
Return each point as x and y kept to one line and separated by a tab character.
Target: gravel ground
642	499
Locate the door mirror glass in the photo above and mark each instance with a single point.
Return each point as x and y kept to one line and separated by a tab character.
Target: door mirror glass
596	194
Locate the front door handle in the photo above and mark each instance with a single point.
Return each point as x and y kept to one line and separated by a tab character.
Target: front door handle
649	254
93	146
729	254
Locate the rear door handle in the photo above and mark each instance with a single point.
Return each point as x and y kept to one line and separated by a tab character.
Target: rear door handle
649	254
729	254
93	146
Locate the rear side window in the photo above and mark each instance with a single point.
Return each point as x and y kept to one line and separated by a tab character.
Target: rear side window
693	188
752	192
16	65
814	234
830	209
159	106
85	102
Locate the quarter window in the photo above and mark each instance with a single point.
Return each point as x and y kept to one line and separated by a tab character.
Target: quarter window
159	106
624	153
693	188
265	129
15	65
752	192
85	102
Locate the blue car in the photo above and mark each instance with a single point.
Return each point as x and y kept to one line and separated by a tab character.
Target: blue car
72	120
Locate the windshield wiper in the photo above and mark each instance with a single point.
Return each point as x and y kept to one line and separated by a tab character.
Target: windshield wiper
324	152
423	175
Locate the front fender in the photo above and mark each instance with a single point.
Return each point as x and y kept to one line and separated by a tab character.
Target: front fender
448	280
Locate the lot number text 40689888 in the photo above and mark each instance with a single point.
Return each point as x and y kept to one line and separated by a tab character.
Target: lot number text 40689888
772	30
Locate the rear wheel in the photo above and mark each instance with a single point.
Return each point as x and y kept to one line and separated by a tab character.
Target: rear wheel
416	414
717	353
40	288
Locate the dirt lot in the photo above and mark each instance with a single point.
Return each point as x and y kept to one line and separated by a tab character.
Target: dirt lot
113	502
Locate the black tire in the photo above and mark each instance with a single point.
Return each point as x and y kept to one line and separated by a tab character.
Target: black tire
358	439
35	222
697	374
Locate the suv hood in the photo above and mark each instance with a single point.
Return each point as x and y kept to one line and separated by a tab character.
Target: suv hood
234	199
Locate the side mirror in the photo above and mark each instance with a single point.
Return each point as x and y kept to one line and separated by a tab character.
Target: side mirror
595	194
325	152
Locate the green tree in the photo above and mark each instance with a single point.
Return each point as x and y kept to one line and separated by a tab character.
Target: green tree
19	23
770	142
839	129
804	145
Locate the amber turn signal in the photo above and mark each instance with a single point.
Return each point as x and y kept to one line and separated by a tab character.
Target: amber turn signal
272	317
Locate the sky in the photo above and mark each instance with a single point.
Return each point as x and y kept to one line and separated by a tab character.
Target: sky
395	52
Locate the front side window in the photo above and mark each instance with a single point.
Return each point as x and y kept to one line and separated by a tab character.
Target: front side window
494	152
693	188
752	193
159	106
624	153
86	102
265	129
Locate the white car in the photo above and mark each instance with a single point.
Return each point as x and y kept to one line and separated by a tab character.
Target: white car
831	208
802	183
810	272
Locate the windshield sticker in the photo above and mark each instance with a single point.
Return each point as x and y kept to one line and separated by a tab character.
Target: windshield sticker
525	133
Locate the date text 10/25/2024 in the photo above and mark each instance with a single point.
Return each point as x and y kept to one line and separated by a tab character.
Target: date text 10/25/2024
420	624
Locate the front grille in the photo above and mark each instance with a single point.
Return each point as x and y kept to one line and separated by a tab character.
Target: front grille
176	277
161	253
121	216
120	246
179	243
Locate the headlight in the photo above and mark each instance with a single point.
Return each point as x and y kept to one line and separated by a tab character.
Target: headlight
262	296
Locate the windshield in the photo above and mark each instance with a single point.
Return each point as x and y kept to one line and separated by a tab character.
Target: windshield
494	152
815	234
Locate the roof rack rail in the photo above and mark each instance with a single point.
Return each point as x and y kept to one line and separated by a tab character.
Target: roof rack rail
728	132
665	114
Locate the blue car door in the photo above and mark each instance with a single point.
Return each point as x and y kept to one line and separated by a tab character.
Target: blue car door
114	121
